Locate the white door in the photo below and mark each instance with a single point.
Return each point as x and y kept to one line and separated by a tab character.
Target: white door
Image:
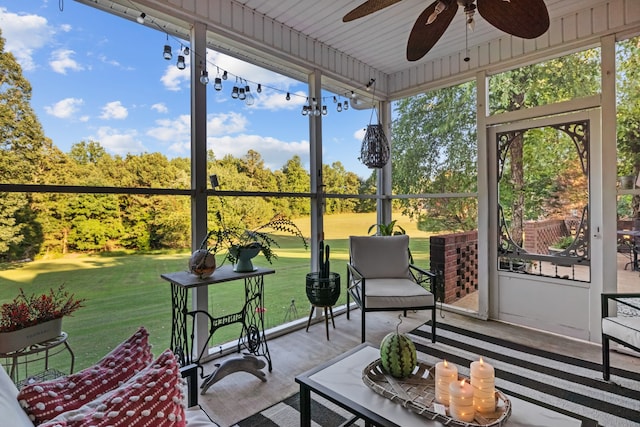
542	190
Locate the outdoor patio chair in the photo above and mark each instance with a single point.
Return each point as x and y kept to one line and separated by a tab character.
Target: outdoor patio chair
622	327
381	278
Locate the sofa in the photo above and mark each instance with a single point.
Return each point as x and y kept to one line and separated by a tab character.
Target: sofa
127	383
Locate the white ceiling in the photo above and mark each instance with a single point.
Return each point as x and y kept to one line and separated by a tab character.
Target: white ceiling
295	37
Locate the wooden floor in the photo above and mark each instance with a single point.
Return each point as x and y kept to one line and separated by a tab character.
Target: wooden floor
241	394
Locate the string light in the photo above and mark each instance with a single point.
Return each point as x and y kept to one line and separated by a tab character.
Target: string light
243	91
140	18
204	77
167	50
180	64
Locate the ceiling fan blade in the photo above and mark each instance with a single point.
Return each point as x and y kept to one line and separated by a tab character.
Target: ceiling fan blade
424	36
368	7
527	19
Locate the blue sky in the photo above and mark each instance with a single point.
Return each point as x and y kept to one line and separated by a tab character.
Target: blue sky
98	77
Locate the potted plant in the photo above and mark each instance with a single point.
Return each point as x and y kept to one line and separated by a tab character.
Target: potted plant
560	245
242	244
30	319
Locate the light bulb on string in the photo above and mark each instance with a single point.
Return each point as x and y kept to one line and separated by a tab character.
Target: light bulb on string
224	75
259	89
242	94
186	51
339	107
250	99
288	97
217	84
167	52
180	64
345	105
335	100
324	110
204	77
140	18
235	92
305	110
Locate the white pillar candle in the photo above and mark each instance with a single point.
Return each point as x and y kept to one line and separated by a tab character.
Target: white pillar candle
446	373
483	382
461	401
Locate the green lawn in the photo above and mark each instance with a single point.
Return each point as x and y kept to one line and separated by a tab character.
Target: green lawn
124	291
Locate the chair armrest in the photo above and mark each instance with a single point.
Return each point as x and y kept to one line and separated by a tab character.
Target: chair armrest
618	297
354	273
424	277
190	372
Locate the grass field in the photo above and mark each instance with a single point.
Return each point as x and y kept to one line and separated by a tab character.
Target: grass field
124	291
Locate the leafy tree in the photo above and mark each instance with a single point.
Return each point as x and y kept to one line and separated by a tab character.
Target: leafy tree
21	142
434	151
628	112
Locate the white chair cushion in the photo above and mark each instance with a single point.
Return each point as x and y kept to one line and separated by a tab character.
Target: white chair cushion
10	410
396	293
380	256
626	329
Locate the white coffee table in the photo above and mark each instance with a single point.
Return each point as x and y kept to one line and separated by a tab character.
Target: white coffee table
340	381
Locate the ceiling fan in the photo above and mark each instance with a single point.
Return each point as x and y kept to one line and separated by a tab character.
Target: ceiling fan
527	19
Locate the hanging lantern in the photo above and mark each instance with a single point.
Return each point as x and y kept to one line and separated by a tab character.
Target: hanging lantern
375	147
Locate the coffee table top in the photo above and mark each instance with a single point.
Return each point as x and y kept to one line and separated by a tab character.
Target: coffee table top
341	380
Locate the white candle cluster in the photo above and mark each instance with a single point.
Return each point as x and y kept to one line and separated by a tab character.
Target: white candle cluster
483	382
466	399
446	374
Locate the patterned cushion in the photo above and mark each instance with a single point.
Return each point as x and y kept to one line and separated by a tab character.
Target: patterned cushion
153	397
43	401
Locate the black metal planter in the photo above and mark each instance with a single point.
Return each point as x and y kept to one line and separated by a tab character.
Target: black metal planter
323	292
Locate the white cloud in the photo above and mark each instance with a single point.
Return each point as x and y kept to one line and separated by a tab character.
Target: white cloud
117	141
359	134
178	130
274	152
114	110
61	61
275	101
160	107
65	108
225	136
24	34
174	79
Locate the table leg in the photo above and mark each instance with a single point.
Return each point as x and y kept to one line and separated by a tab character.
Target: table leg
253	336
305	406
179	343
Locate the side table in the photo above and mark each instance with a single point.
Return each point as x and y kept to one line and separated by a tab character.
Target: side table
40	352
251	316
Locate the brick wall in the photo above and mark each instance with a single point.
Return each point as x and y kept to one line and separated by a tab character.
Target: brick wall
539	235
455	258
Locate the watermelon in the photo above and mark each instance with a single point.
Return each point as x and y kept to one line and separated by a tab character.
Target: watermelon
398	355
